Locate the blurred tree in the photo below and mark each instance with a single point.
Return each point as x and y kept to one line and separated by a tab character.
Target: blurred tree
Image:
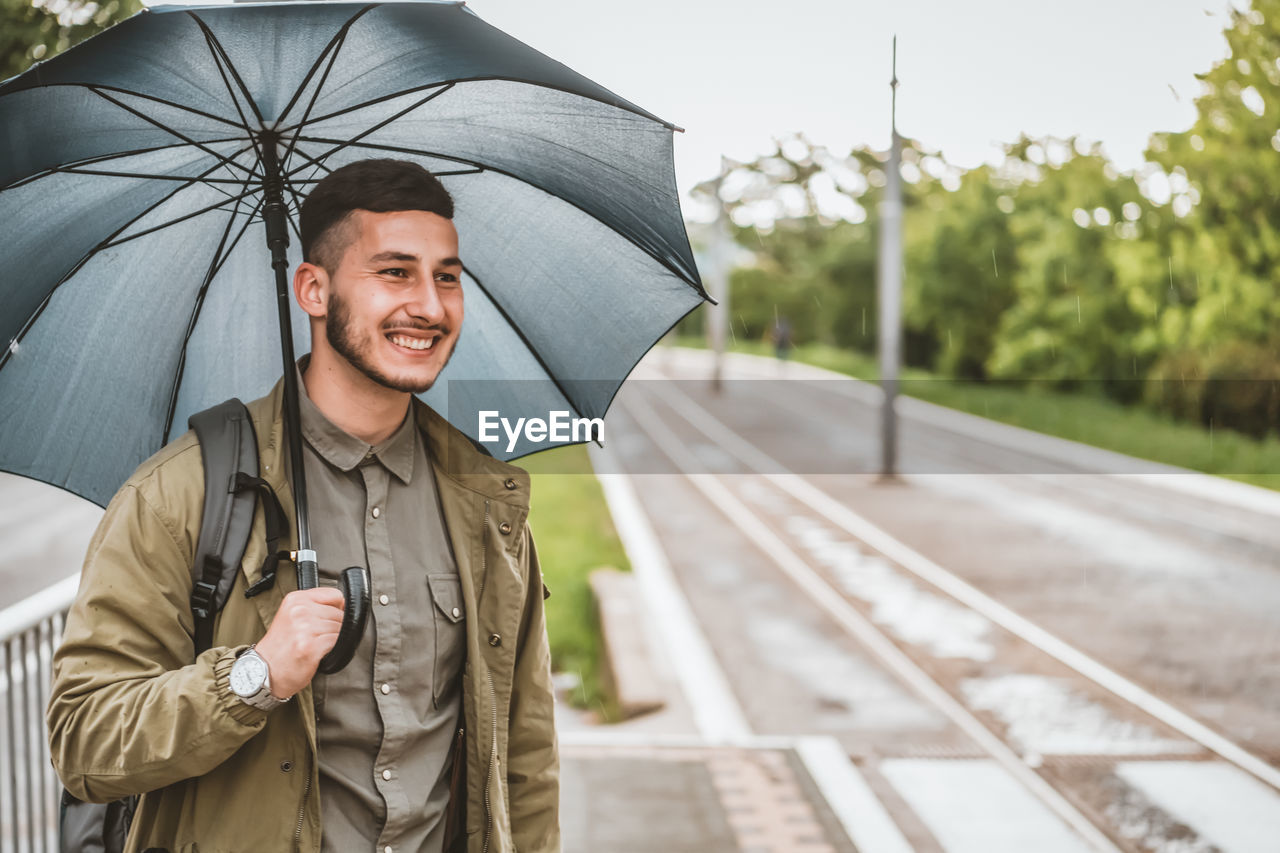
1220	326
959	269
30	33
1071	319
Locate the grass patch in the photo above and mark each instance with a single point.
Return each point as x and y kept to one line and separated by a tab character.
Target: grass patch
574	533
1087	418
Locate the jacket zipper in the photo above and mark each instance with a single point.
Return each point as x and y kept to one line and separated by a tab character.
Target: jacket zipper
493	696
302	808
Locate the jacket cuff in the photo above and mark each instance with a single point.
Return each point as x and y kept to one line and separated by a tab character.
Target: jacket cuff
239	710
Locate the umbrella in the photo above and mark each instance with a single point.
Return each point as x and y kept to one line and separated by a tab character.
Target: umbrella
136	167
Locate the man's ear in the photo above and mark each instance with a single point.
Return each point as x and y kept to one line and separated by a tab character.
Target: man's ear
311	289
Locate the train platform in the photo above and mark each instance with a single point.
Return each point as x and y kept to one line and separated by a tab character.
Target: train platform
642	795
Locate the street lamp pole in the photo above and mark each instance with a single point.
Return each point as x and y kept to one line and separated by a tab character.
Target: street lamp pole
889	289
721	257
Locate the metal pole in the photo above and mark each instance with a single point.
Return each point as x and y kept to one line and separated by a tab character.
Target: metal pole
718	314
889	288
273	215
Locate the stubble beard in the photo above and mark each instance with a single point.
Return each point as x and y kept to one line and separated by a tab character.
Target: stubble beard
339	331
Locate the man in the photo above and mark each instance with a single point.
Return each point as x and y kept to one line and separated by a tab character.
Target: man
245	748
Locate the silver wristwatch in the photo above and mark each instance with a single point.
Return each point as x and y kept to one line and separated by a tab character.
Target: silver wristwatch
250	680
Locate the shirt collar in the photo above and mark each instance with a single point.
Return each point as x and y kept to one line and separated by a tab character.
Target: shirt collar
343	450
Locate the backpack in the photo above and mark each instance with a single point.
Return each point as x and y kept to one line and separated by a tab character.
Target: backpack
229	451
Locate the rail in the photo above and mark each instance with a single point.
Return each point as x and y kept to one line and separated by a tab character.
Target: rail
29	788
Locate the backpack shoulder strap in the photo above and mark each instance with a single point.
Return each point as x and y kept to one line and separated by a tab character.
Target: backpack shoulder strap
229	450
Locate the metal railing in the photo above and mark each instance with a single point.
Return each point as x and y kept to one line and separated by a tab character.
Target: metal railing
29	788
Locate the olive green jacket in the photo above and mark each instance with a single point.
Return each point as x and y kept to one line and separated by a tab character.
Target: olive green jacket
131	712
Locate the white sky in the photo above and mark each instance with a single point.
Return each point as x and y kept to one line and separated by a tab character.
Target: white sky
971	74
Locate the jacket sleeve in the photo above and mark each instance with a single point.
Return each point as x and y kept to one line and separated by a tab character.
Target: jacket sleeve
130	711
533	755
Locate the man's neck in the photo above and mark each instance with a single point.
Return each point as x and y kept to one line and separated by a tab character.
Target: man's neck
352	401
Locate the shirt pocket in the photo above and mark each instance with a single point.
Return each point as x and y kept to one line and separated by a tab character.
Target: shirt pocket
449	615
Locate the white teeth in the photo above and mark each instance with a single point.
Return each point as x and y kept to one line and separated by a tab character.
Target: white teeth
412	343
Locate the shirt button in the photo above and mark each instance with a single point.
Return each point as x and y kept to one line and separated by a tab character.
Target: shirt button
495	640
376	512
386	688
384	599
456	613
510	484
386	775
505	528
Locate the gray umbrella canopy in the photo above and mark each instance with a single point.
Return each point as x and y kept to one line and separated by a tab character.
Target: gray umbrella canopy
136	284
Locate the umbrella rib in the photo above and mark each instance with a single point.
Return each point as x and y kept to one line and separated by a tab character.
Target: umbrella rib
443	85
217	47
95	87
74	170
222	72
335	44
26	327
212	271
183	218
102	158
298	202
485	79
224	161
577	410
343	144
487	168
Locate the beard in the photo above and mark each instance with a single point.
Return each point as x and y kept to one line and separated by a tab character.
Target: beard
341	334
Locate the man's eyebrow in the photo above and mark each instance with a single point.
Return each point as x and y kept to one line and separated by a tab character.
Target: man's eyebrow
392	256
451	262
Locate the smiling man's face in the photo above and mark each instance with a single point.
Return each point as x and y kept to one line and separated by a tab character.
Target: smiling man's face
395	299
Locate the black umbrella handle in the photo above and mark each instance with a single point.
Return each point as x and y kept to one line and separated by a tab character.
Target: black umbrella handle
355	612
355	587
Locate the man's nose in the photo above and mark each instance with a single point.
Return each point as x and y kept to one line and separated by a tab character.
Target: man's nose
425	303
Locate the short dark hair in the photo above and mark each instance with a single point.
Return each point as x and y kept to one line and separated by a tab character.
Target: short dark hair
378	186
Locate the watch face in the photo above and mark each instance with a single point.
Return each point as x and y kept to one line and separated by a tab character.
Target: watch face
247	675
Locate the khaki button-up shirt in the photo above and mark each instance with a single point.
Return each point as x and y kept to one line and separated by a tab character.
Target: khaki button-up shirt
385	722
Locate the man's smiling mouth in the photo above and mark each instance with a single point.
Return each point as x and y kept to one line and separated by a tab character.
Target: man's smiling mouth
412	343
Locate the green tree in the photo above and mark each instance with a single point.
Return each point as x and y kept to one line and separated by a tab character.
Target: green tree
30	33
959	270
1071	319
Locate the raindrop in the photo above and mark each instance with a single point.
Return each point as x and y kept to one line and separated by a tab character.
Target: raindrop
1078	309
994	264
864	321
13	347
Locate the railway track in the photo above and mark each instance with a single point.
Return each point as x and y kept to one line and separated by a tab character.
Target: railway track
844	564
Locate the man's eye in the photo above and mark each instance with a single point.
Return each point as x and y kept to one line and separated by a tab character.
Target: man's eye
395	271
447	276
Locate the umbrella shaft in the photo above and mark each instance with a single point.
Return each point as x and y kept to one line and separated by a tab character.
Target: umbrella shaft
273	215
